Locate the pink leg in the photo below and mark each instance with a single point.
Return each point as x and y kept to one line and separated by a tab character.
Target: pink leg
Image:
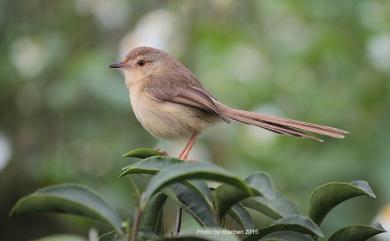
184	153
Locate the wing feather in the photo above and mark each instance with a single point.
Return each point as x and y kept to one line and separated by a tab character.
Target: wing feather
183	92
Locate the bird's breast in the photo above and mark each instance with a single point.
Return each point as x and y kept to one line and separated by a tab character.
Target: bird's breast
165	119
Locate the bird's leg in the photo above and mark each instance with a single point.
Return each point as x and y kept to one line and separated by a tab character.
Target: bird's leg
184	153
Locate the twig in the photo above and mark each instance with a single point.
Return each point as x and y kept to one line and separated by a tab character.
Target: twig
179	214
136	224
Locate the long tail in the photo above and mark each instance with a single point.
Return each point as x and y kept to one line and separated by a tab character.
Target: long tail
281	125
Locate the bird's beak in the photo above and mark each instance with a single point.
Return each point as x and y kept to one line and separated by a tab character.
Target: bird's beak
116	65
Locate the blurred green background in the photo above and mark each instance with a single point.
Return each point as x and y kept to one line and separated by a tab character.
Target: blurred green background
66	117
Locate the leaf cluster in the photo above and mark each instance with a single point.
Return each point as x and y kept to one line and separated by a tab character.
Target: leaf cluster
187	184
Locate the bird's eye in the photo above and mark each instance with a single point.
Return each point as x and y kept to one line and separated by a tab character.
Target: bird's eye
141	62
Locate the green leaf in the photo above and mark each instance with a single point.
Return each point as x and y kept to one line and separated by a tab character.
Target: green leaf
70	199
356	233
287	236
241	216
62	237
186	171
146	236
143	153
195	205
152	217
201	188
110	236
295	223
261	183
186	238
136	184
143	235
275	208
326	197
204	235
227	195
151	165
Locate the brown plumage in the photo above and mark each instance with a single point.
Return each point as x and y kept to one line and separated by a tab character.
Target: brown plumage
171	103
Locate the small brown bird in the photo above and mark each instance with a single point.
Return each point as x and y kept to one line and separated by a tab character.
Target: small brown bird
170	102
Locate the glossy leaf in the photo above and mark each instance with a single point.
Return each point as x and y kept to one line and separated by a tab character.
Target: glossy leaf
287	236
261	183
200	187
143	235
226	195
196	238
62	237
146	236
241	216
326	197
275	208
295	223
186	238
143	153
193	204
110	236
70	199
356	233
182	172
151	165
152	218
204	235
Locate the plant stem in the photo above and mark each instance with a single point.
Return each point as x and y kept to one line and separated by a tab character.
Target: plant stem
183	156
137	220
179	214
136	191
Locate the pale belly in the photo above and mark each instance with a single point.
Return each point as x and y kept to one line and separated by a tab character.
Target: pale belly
168	120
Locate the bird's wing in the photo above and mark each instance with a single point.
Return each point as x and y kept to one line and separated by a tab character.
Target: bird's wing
186	92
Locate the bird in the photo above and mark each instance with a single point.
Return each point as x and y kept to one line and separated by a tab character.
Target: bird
171	103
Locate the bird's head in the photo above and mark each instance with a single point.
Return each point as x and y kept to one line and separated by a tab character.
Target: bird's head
141	62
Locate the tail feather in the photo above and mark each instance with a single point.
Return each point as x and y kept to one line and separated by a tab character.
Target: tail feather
282	125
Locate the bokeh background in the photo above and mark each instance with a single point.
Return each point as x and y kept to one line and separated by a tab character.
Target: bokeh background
66	117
